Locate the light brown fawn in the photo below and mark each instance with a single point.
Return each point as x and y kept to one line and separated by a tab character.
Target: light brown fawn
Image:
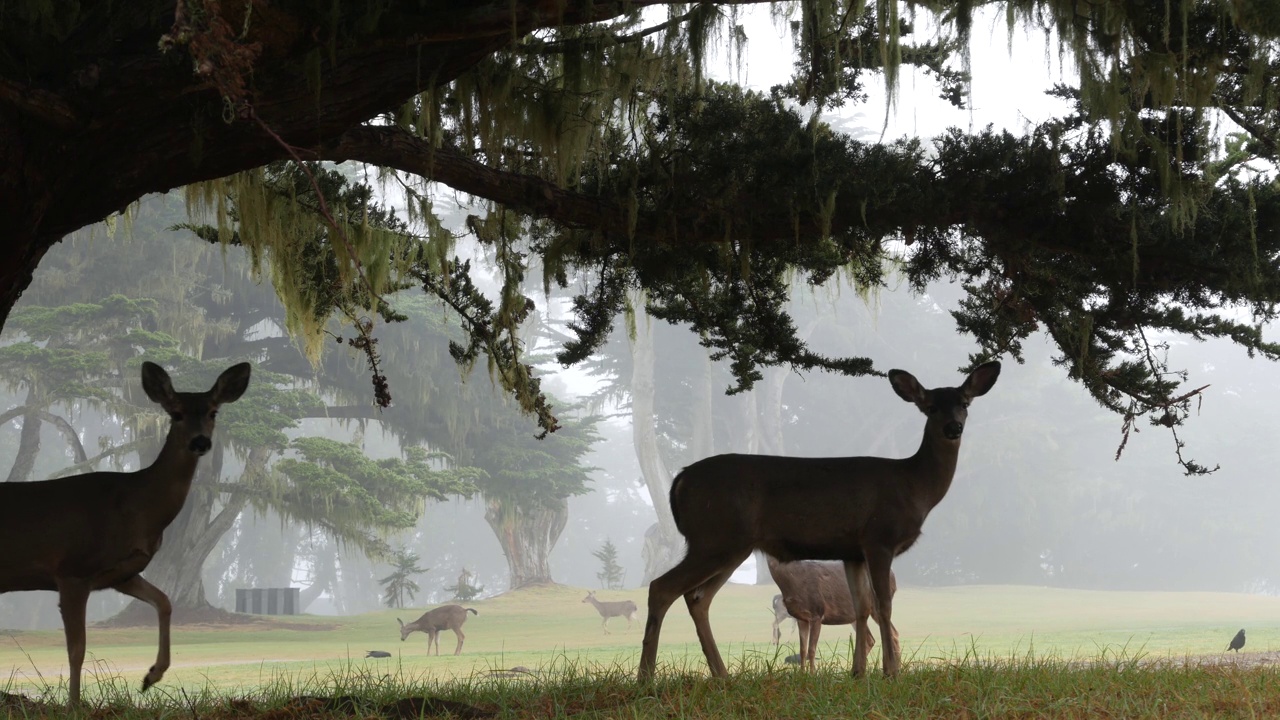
780	615
445	617
863	511
816	593
99	530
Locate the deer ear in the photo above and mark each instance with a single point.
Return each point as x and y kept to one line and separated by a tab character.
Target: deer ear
981	379
232	383
156	383
906	385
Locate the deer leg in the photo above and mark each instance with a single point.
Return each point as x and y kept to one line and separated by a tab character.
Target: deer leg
604	623
73	597
815	629
855	574
870	637
698	601
878	566
803	641
685	576
458	650
139	588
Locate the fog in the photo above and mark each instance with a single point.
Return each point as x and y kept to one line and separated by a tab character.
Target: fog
1040	496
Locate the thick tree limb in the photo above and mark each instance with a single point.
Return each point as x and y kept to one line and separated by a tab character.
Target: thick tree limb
392	147
119	119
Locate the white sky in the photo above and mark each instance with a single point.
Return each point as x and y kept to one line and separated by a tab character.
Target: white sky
1008	89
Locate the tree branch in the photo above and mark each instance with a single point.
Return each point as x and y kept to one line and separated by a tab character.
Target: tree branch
41	105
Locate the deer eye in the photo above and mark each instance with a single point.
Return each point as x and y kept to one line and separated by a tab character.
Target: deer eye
213	414
175	416
931	409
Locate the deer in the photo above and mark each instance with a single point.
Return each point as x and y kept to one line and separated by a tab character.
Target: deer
615	608
816	593
780	615
445	617
862	511
98	530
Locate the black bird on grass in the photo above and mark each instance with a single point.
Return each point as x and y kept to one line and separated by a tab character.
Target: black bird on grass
1237	642
377	653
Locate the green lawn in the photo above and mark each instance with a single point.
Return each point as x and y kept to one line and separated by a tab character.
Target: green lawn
550	628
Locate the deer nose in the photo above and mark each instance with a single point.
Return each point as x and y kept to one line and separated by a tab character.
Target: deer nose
953	430
200	444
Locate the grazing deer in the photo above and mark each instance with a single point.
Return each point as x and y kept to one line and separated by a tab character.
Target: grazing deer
863	511
615	608
100	530
445	617
816	593
780	615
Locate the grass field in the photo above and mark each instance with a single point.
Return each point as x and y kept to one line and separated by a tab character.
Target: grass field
965	642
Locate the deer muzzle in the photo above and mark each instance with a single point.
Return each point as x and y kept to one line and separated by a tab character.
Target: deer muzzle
200	444
953	430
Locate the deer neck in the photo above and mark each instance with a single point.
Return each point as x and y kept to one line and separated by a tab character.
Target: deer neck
168	479
934	465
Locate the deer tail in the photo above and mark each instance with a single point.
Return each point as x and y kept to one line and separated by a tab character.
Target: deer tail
675	487
473	611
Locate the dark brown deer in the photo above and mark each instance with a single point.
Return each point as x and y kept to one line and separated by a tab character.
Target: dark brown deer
863	511
445	617
612	608
816	593
82	533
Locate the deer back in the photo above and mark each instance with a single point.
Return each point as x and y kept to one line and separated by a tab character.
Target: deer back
791	508
828	508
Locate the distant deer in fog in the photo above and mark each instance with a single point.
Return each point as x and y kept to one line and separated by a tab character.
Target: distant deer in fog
445	617
614	608
780	615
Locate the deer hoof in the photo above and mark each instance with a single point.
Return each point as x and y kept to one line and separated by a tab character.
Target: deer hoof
153	676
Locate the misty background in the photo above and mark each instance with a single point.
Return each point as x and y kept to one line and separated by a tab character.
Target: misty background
1039	497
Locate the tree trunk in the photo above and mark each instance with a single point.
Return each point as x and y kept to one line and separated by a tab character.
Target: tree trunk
357	590
178	568
323	577
702	433
663	544
28	441
527	532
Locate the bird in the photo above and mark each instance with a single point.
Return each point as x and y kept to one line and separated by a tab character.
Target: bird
1237	642
377	653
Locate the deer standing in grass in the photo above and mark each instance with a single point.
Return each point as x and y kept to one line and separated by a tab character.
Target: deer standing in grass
100	530
816	593
863	511
615	608
445	617
780	615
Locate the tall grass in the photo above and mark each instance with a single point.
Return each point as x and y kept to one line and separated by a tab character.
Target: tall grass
965	686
